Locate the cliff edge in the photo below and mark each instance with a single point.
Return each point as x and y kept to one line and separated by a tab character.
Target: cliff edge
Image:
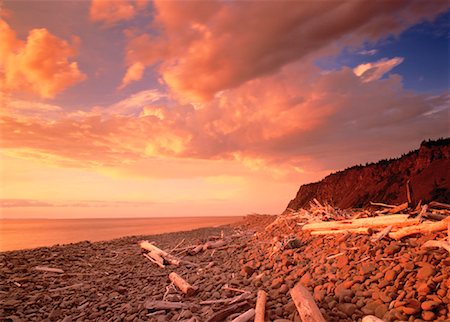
427	168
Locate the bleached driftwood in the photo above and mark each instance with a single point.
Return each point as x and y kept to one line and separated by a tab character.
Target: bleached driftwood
184	286
306	307
371	318
155	250
364	231
226	312
261	300
246	316
423	228
164	305
372	222
155	258
214	244
49	269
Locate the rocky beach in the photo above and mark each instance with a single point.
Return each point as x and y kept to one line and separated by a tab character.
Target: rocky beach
349	276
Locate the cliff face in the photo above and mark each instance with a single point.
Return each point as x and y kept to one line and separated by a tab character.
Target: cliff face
427	168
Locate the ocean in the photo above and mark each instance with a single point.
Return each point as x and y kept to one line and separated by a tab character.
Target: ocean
18	234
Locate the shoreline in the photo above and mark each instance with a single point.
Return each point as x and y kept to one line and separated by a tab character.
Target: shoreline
49	232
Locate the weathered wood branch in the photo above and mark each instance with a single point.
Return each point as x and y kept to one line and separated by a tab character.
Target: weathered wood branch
382	204
155	258
214	244
398	208
164	305
48	269
380	235
184	286
261	300
306	307
423	228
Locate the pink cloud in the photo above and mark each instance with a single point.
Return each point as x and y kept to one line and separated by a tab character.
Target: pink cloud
294	122
113	11
39	65
207	47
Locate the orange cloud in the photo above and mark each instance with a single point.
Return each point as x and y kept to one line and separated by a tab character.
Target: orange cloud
285	125
134	73
39	65
113	11
210	46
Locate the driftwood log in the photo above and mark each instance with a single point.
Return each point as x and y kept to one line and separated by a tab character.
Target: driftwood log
246	316
184	286
372	222
363	231
423	228
226	312
261	300
155	250
49	269
306	307
155	258
371	318
164	305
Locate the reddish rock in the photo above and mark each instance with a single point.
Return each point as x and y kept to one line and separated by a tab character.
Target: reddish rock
428	315
342	261
425	272
390	275
347	308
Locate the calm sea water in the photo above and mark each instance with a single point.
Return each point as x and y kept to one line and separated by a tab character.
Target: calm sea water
30	233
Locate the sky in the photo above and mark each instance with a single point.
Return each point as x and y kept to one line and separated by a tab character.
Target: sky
140	108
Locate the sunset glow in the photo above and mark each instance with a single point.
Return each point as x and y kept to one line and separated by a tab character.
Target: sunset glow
197	108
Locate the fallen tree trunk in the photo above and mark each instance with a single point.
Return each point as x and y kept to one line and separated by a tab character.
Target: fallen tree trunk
306	307
372	222
155	250
260	306
423	228
246	316
184	286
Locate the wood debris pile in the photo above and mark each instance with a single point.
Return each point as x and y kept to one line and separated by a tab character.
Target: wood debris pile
384	221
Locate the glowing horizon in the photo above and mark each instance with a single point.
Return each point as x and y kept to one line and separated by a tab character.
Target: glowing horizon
154	108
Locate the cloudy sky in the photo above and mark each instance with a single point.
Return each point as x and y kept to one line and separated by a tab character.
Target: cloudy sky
159	108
